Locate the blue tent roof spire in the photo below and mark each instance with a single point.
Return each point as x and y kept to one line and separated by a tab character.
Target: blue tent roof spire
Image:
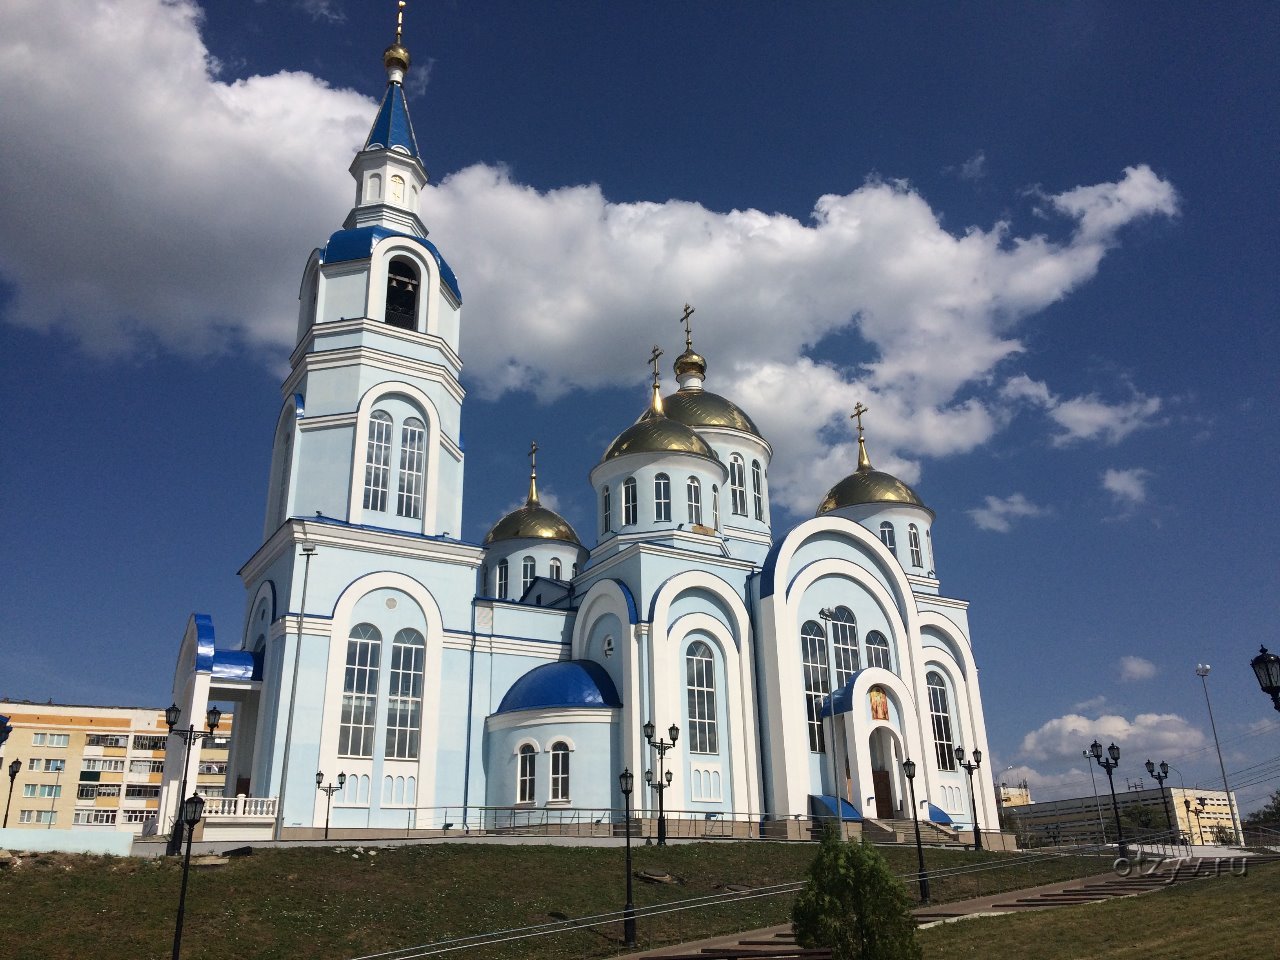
392	127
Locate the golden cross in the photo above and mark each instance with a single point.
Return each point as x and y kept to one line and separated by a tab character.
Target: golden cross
399	20
858	411
688	329
533	455
657	352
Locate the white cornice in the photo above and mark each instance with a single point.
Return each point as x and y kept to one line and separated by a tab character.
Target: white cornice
537	716
378	360
369	325
646	547
933	598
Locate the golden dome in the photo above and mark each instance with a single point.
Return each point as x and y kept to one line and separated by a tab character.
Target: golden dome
690	362
701	408
867	485
532	521
396	55
657	433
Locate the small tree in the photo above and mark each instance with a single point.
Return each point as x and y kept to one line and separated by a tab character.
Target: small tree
1268	815
853	904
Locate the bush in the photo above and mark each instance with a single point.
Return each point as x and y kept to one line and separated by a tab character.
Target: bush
853	904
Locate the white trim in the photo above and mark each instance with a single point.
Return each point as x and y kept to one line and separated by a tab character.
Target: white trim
537	718
526	742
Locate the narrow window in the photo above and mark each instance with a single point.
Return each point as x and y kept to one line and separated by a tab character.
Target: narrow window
396	193
404	707
844	637
629	502
377	461
933	564
738	485
813	657
715	506
528	775
694	492
940	713
662	498
606	510
556	570
528	570
700	678
286	468
757	488
560	771
402	294
887	538
575	571
878	651
502	579
360	692
913	540
412	459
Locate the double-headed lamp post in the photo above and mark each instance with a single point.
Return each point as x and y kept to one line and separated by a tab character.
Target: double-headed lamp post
189	736
664	779
1109	763
13	775
191	811
328	792
973	797
1266	667
1161	773
626	783
909	768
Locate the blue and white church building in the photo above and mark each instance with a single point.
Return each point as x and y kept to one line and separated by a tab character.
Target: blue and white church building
475	684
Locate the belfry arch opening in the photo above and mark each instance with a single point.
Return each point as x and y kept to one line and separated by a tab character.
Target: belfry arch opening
403	283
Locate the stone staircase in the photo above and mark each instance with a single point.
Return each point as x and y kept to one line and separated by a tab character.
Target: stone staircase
904	831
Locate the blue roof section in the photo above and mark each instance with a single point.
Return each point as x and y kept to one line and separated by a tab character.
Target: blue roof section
843	697
825	806
204	642
392	127
358	244
237	665
938	815
566	683
768	570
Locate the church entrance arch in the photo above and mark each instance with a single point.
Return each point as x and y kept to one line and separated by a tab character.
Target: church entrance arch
884	750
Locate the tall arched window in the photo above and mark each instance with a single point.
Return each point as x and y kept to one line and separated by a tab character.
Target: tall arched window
404	704
528	570
377	461
933	564
700	676
629	507
715	506
556	570
402	294
606	510
813	659
560	771
693	490
887	537
662	498
503	579
913	540
878	654
844	637
360	692
413	459
940	714
757	487
737	486
526	789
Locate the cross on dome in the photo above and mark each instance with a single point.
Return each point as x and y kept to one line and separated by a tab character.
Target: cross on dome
533	475
688	326
864	462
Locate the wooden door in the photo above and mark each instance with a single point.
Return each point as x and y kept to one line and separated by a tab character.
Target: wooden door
884	794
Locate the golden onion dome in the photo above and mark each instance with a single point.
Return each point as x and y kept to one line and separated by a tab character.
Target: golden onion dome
690	363
532	521
702	408
868	485
396	55
656	433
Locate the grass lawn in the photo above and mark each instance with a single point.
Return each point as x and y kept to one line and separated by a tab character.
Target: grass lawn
1204	920
328	904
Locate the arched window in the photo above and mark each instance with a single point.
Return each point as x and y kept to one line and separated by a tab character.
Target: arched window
629	502
737	485
404	705
377	461
700	674
940	714
360	692
913	540
556	570
757	487
933	564
560	771
878	650
402	292
715	506
526	787
575	571
413	458
844	637
887	537
606	510
694	492
503	579
662	498
813	658
528	570
396	193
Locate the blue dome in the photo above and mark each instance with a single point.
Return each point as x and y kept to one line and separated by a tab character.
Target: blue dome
566	683
357	244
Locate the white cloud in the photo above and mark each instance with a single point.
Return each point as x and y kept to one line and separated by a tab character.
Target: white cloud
188	217
1093	703
997	513
975	168
1136	668
1147	734
1087	417
1128	487
330	10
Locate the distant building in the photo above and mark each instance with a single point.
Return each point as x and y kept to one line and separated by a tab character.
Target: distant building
1199	816
1014	794
96	768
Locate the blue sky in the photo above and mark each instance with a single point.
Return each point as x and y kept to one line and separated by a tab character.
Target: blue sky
1038	241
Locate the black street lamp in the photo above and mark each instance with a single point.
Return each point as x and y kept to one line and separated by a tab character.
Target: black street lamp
13	775
190	813
973	797
1109	763
1186	802
909	768
328	792
1161	773
1200	805
189	736
1266	667
626	783
664	779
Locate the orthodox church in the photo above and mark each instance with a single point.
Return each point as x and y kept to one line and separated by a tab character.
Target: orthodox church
469	685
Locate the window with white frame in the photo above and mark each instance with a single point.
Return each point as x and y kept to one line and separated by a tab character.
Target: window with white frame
737	485
503	577
141	742
146	766
107	764
402	283
528	571
606	511
560	771
87	791
96	818
377	461
940	714
404	704
33	763
913	540
413	460
556	570
878	654
693	492
813	660
527	782
360	691
38	816
887	537
106	740
50	739
629	505
700	686
54	766
715	506
138	816
928	538
757	487
662	498
844	638
108	789
141	791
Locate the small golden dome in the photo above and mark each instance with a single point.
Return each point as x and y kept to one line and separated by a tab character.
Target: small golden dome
690	362
656	433
701	408
869	486
396	55
532	521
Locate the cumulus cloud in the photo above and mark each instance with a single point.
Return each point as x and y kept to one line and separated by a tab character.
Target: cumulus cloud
329	10
1136	668
998	513
1145	735
1087	417
189	215
1127	487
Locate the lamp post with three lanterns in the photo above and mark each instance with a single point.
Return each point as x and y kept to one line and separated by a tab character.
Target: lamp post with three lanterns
1109	763
189	736
664	778
973	797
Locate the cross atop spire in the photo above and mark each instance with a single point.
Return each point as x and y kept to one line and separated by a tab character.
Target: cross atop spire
399	20
864	462
533	475
657	391
688	327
